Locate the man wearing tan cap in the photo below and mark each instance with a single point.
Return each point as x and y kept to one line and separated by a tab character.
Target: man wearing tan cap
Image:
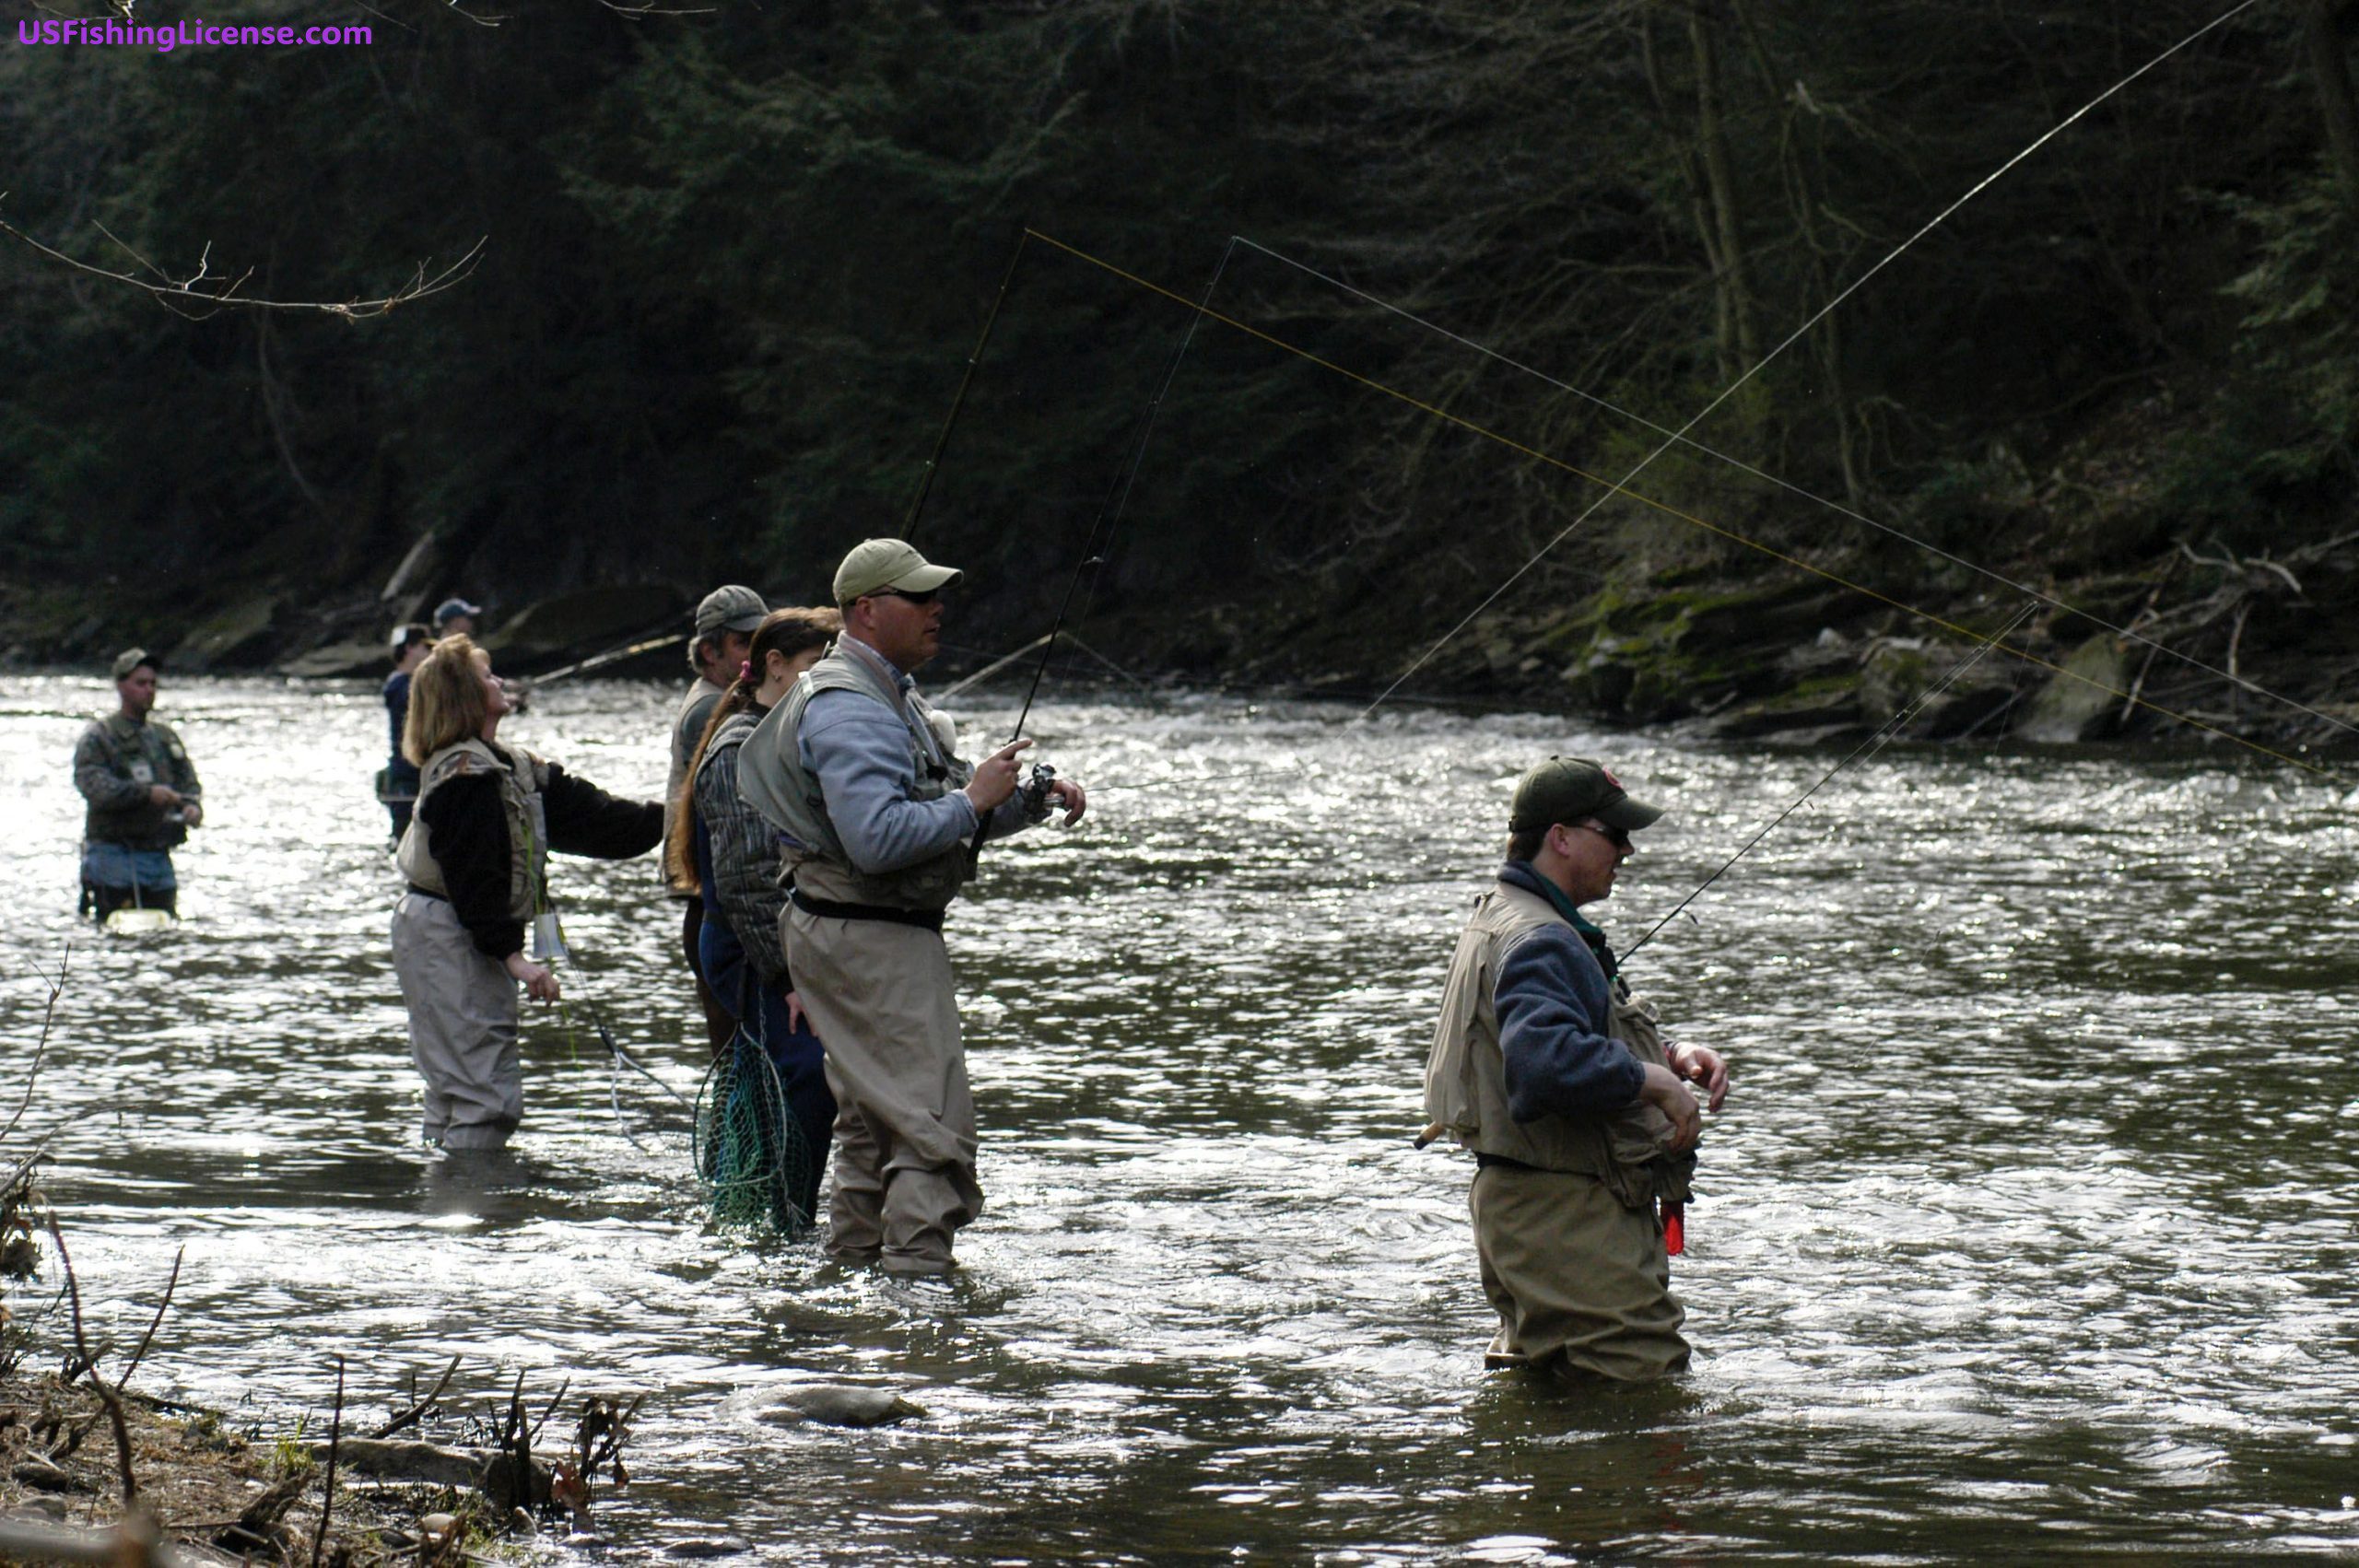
1576	1108
142	797
876	812
724	636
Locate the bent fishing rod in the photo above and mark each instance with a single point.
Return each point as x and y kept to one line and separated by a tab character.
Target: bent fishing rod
1102	527
958	399
1620	487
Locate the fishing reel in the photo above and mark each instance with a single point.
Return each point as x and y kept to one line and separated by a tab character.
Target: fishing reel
1035	792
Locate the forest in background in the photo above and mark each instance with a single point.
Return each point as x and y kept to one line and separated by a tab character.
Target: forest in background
736	260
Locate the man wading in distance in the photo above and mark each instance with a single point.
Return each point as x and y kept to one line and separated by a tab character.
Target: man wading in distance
1571	1100
865	780
397	782
142	797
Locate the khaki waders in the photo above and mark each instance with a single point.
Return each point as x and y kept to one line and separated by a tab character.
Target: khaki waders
1580	1283
462	1026
880	994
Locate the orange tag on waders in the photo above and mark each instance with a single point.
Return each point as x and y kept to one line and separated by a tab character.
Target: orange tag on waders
1674	1229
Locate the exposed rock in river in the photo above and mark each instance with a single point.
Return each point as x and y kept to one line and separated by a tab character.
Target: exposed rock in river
839	1404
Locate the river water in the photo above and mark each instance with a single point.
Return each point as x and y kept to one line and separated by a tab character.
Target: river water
2028	1229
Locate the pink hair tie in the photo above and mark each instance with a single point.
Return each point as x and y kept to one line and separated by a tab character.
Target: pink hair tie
744	668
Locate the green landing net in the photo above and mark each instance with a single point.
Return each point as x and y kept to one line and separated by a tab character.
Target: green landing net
752	1160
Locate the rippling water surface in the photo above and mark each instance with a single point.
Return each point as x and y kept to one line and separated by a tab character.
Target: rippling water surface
2028	1229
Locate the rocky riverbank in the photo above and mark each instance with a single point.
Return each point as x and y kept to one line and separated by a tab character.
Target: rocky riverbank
2186	648
2124	635
83	1460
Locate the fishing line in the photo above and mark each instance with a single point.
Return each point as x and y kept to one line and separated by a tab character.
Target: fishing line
1680	439
626	1058
1796	334
934	459
1118	493
1966	633
1865	749
618	1059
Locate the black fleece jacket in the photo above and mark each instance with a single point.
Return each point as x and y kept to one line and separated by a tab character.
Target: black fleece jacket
469	837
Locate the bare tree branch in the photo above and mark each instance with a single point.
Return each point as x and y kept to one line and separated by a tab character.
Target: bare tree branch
170	1285
200	290
48	1014
410	1416
90	1369
327	1494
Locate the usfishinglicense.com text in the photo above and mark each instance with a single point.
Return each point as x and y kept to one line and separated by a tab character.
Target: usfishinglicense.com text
190	33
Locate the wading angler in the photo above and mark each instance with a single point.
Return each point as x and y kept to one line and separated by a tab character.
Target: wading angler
475	857
1577	1110
142	797
864	779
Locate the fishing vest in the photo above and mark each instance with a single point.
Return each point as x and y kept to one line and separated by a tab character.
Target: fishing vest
1466	1086
732	734
814	856
142	754
521	778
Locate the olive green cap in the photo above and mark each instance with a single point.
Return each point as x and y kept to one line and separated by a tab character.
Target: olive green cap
130	659
876	564
1571	788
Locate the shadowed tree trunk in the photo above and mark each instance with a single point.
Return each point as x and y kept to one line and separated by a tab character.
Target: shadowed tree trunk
2330	70
1732	271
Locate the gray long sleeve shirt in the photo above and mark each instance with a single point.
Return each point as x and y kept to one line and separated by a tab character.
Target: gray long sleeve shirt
859	750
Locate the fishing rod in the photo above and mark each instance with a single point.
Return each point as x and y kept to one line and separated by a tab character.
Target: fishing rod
1865	749
1118	495
993	668
1795	337
1107	520
934	460
642	643
1005	660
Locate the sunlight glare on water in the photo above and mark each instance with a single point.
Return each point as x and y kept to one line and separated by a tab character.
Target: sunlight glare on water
2028	1228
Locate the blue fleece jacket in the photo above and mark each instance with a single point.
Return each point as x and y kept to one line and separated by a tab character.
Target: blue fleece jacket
1552	1000
860	750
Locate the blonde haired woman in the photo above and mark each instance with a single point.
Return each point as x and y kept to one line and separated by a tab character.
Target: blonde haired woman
476	860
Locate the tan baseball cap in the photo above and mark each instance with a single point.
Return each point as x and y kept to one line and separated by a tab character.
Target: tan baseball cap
876	564
130	659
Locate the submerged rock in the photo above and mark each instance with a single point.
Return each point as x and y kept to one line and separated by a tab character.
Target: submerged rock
694	1547
839	1404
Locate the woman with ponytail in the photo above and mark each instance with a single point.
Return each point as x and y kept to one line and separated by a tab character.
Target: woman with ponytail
733	852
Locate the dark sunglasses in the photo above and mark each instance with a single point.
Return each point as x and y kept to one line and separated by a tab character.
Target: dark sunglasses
1613	836
928	597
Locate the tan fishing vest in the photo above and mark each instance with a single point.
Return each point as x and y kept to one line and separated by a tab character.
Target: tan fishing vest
521	780
1466	1089
814	860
